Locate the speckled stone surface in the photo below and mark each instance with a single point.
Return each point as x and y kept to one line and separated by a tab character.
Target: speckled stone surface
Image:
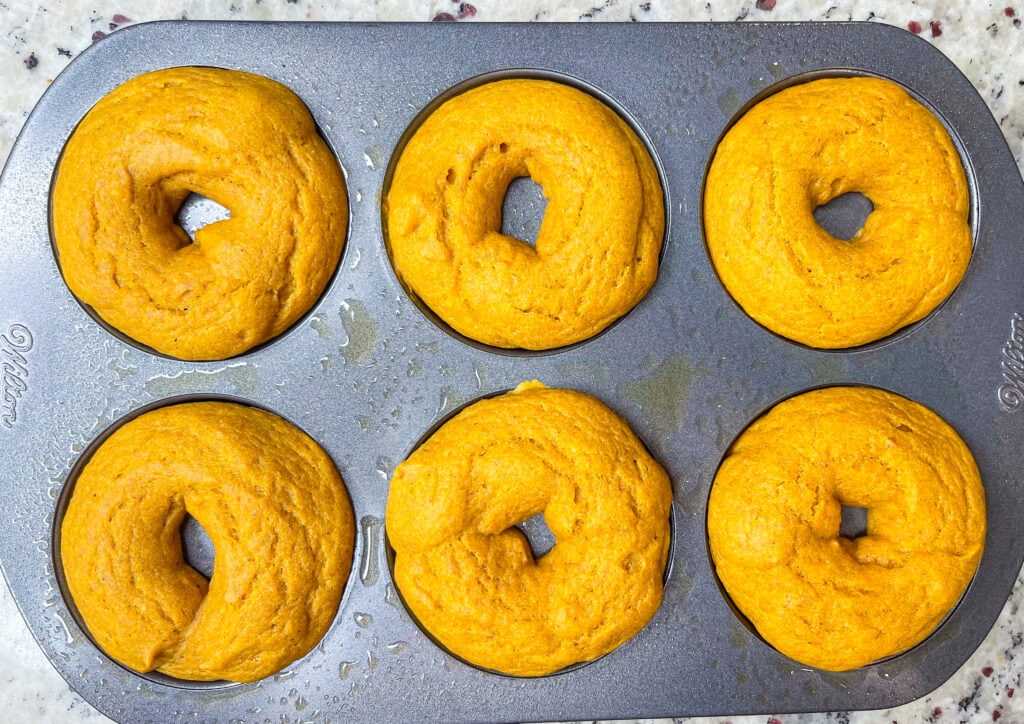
986	40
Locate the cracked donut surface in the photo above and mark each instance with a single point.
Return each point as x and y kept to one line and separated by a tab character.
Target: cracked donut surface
802	147
775	511
596	254
468	574
241	140
275	509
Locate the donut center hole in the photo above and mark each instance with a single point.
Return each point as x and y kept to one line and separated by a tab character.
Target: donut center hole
522	211
854	522
198	211
196	546
537	533
844	216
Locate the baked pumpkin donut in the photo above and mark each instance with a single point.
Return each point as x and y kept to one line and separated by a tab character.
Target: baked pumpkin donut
596	254
774	516
242	140
274	507
799	149
468	575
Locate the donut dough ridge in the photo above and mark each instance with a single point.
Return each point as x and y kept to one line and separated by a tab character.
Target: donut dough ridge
274	507
469	576
774	516
596	254
242	140
799	149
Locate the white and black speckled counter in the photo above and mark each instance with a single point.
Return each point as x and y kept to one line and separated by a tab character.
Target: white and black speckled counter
986	40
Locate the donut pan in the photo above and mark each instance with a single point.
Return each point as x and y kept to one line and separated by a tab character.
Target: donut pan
367	373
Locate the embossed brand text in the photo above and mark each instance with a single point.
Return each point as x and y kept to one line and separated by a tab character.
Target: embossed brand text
13	371
1011	392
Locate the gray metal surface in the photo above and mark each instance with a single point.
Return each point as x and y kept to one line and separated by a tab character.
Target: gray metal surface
367	373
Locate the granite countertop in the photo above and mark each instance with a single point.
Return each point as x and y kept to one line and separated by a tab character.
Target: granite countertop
985	40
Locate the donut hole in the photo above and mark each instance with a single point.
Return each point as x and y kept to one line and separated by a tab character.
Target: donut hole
537	534
197	211
174	208
518	213
855	512
196	546
522	210
853	522
529	521
844	216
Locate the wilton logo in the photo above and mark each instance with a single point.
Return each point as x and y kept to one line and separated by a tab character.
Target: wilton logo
13	371
1011	392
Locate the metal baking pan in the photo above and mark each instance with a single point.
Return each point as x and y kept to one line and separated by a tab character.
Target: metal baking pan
366	373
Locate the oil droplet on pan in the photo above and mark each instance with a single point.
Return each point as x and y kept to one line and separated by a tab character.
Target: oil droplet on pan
361	330
392	599
450	399
319	325
369	573
729	102
243	377
384	468
481	375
